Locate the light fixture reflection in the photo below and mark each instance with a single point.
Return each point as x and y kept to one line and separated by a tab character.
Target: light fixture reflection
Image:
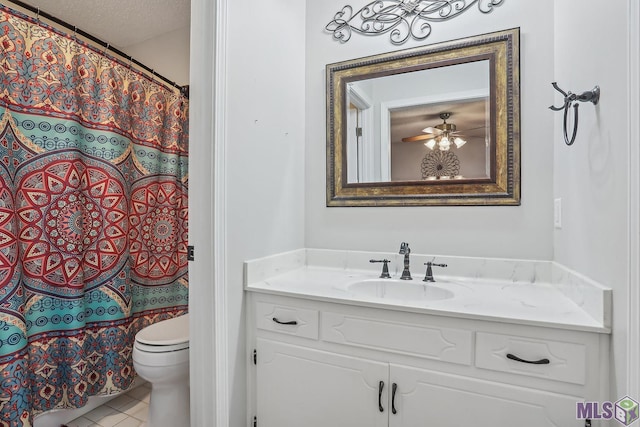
459	142
444	143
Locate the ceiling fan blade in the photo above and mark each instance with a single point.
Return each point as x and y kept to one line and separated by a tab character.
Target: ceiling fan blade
417	138
432	130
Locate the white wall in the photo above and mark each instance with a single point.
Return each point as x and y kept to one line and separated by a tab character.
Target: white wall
168	54
515	232
265	120
592	176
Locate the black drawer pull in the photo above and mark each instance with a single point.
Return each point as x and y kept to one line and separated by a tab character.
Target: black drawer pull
533	362
394	388
380	387
293	322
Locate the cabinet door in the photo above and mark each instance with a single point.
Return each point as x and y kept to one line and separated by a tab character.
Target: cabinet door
425	398
297	386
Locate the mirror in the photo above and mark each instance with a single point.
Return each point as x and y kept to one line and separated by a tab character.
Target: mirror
434	125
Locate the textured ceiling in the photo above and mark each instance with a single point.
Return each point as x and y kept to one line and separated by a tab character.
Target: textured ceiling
121	23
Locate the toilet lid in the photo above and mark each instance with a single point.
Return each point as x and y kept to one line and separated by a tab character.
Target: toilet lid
172	333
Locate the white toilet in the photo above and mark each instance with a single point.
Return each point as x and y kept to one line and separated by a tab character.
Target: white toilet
161	356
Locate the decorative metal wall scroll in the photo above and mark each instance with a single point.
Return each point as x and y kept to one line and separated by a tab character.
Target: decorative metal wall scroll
440	164
401	18
570	99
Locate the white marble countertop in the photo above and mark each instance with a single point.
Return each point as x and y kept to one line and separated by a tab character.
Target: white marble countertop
491	299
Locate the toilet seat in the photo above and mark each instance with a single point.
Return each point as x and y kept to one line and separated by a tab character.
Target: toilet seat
161	348
164	337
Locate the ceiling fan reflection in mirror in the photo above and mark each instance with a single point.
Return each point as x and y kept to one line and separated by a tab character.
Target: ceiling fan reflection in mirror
440	136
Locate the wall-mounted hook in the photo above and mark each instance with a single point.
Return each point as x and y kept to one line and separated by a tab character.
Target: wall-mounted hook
570	99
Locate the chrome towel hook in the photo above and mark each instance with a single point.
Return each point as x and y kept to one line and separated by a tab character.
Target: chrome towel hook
570	99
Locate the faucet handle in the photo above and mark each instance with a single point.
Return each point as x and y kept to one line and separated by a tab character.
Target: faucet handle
429	263
428	277
385	268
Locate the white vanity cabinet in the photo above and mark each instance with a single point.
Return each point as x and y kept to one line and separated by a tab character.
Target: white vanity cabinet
320	364
299	386
429	398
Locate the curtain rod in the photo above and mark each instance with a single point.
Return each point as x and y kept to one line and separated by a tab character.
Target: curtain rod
183	89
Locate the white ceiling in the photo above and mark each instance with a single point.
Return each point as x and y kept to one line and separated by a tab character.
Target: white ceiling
121	23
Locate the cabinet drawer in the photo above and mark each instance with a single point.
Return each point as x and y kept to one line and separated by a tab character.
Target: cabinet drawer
287	320
558	361
438	343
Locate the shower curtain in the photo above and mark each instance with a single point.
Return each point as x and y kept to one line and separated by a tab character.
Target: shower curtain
93	216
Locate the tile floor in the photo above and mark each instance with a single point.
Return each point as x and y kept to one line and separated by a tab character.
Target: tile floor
128	410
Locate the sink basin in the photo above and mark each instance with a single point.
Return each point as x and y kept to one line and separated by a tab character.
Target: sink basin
405	290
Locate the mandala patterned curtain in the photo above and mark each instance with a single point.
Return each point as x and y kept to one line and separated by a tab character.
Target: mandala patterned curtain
93	217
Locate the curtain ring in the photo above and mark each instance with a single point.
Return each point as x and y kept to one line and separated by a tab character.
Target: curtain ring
106	48
75	33
130	61
38	15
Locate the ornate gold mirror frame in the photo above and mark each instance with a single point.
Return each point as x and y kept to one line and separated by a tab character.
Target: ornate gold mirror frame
500	186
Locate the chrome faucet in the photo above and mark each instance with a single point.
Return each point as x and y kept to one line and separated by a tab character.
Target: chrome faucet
404	250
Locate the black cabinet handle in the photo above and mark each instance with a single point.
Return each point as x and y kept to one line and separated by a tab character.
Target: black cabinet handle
533	362
380	387
394	388
293	322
